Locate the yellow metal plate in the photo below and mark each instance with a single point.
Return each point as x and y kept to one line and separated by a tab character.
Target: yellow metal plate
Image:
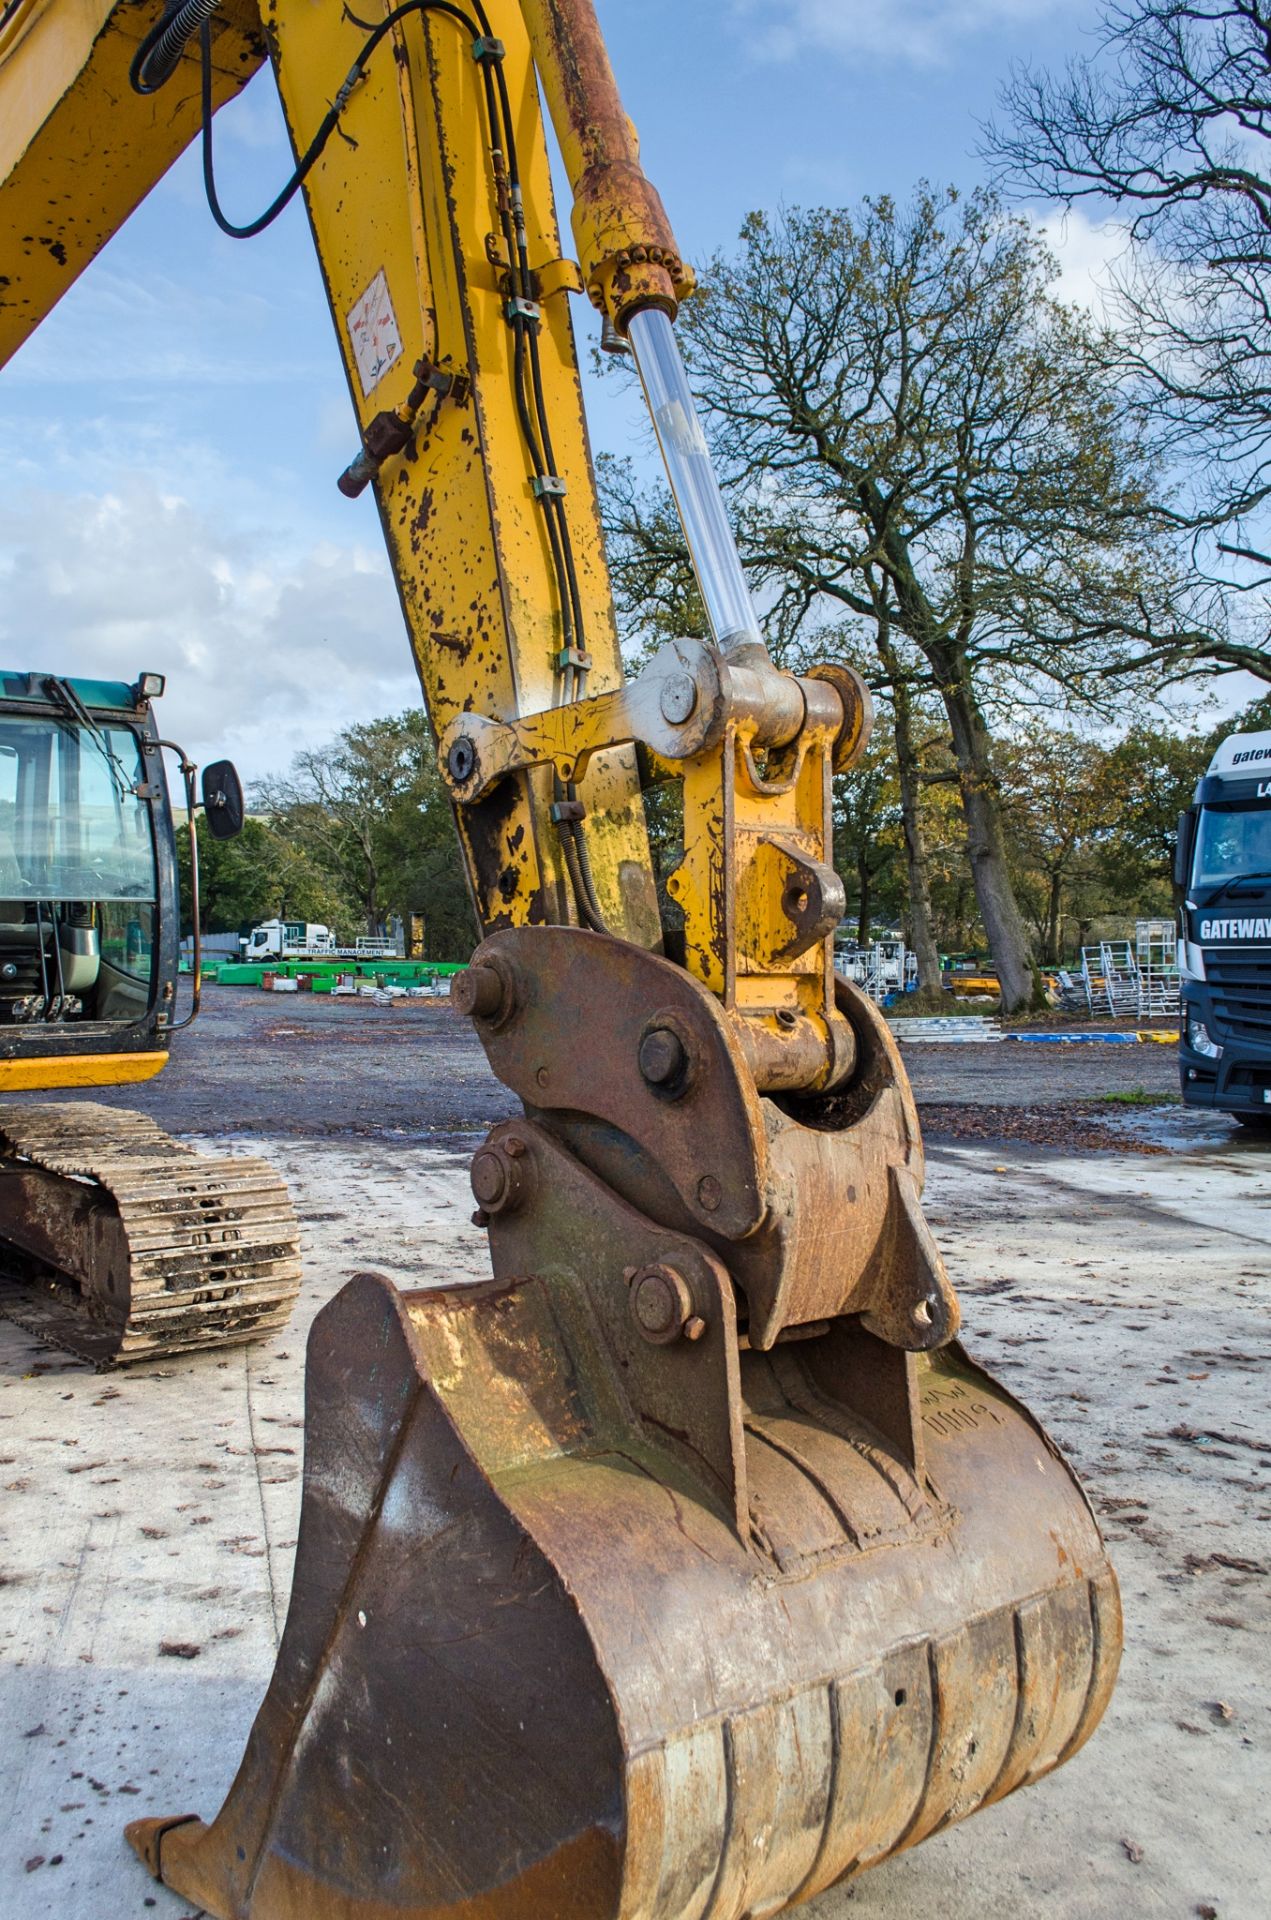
85	1070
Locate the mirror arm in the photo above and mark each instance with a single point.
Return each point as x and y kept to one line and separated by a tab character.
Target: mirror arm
188	771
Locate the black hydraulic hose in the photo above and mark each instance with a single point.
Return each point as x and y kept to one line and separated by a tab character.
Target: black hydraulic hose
159	54
573	840
326	127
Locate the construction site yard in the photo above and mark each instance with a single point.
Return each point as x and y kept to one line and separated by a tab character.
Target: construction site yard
1110	1251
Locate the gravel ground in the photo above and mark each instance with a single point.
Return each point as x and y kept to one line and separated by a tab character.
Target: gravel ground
149	1519
312	1064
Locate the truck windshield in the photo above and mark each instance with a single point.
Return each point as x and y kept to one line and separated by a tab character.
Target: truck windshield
72	825
1232	841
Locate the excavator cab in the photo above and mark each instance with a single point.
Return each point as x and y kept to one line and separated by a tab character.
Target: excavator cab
88	942
115	1240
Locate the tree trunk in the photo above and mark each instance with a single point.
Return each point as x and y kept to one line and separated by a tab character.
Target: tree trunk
1052	919
921	935
863	879
986	844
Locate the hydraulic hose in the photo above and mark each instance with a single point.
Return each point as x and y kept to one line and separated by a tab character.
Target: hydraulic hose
156	59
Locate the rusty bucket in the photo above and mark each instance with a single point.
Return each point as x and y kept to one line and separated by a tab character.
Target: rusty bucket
687	1567
532	1671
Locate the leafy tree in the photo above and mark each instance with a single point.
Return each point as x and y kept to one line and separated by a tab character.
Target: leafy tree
917	437
867	836
370	810
421	867
256	876
1061	806
1154	773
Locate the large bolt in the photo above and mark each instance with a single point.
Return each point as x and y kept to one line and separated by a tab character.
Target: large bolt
678	698
461	759
661	1304
479	992
498	1185
662	1057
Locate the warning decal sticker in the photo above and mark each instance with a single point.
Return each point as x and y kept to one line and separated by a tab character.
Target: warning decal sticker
377	344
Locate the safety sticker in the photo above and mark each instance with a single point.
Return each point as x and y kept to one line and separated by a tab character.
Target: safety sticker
377	344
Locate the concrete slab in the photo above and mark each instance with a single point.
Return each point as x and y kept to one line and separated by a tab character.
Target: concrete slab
148	1522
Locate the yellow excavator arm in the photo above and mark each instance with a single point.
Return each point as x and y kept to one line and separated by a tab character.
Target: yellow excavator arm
689	1566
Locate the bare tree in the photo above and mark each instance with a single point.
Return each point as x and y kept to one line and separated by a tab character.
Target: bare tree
1168	125
658	599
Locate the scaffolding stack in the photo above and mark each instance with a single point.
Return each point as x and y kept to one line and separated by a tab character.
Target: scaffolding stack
1133	979
1156	958
882	970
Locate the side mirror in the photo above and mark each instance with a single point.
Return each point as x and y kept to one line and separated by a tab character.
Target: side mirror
1183	848
223	800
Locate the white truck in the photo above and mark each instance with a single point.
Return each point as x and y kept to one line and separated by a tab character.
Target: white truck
1223	866
309	940
288	940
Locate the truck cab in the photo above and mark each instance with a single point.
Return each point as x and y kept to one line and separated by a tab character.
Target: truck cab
1223	866
287	940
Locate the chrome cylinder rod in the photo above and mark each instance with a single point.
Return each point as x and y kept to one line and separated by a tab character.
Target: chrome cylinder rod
689	467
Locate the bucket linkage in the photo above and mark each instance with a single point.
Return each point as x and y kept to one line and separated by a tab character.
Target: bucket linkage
688	1566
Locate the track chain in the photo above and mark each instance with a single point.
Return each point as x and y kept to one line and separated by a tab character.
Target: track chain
213	1242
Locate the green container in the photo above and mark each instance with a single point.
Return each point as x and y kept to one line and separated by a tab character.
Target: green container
395	973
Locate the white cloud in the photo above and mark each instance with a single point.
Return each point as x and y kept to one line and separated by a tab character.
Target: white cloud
1088	252
268	646
919	32
157	332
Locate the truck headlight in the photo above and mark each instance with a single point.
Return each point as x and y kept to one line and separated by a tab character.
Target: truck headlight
1199	1041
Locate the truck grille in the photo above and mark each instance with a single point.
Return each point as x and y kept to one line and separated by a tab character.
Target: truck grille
1241	989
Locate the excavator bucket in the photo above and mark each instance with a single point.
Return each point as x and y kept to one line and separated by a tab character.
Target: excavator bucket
618	1595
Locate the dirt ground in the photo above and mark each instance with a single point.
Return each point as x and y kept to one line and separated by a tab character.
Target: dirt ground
147	1520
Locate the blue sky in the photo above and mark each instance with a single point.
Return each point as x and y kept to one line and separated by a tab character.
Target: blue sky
171	436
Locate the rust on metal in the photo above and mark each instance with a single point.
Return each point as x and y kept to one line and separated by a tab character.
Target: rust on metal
683	1567
628	252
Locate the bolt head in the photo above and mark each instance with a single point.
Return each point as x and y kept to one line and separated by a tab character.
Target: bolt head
678	698
461	759
478	992
489	1175
661	1304
709	1193
662	1057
